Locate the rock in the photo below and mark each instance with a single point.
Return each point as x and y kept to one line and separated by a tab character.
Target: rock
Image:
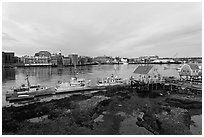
90	103
185	101
104	112
99	119
139	119
140	116
68	111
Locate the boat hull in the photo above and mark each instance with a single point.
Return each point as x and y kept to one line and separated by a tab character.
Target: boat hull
76	89
35	93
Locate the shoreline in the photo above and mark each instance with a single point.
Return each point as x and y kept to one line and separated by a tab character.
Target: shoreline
100	113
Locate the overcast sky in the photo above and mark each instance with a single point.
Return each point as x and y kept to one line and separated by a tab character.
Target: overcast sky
95	29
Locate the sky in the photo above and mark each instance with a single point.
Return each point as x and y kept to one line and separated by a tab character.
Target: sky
125	29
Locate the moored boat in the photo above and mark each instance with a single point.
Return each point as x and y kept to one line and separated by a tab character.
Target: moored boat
16	97
32	90
75	84
111	81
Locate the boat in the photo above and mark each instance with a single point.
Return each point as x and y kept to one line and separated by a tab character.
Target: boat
32	90
16	97
111	81
75	84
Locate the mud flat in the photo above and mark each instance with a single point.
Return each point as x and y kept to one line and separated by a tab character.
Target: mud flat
117	110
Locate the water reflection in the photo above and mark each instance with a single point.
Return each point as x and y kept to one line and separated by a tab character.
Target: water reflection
8	74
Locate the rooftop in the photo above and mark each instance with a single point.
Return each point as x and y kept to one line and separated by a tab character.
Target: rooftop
143	69
193	66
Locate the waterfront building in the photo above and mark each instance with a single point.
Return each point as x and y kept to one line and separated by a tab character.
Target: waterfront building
57	59
66	61
35	61
74	59
84	60
189	70
54	60
147	59
147	74
163	61
43	54
7	58
124	60
134	60
103	59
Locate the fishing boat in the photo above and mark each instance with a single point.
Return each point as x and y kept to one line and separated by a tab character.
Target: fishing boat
75	84
32	90
111	81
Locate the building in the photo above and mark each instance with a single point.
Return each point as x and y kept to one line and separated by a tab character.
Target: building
189	70
43	54
7	58
35	61
74	59
54	60
57	59
66	61
103	59
147	74
124	60
163	61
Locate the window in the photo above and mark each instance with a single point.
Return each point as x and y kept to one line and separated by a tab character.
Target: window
148	76
155	76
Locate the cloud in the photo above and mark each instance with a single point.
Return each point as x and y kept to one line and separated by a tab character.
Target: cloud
116	29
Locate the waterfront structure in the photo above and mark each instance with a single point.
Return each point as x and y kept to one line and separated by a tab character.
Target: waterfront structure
7	58
54	60
134	60
43	54
189	70
147	74
124	60
84	60
35	61
147	59
163	61
74	59
66	61
103	59
57	59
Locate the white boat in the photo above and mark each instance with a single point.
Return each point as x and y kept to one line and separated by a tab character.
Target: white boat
75	84
34	90
111	81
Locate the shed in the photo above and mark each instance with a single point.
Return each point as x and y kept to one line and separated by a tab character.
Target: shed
146	74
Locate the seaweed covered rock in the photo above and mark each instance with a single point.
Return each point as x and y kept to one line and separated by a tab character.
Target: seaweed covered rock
185	101
167	122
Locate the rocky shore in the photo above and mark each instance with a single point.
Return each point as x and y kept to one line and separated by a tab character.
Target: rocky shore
117	110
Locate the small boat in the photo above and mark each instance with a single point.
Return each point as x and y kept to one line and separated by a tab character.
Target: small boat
75	84
16	97
111	81
34	90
